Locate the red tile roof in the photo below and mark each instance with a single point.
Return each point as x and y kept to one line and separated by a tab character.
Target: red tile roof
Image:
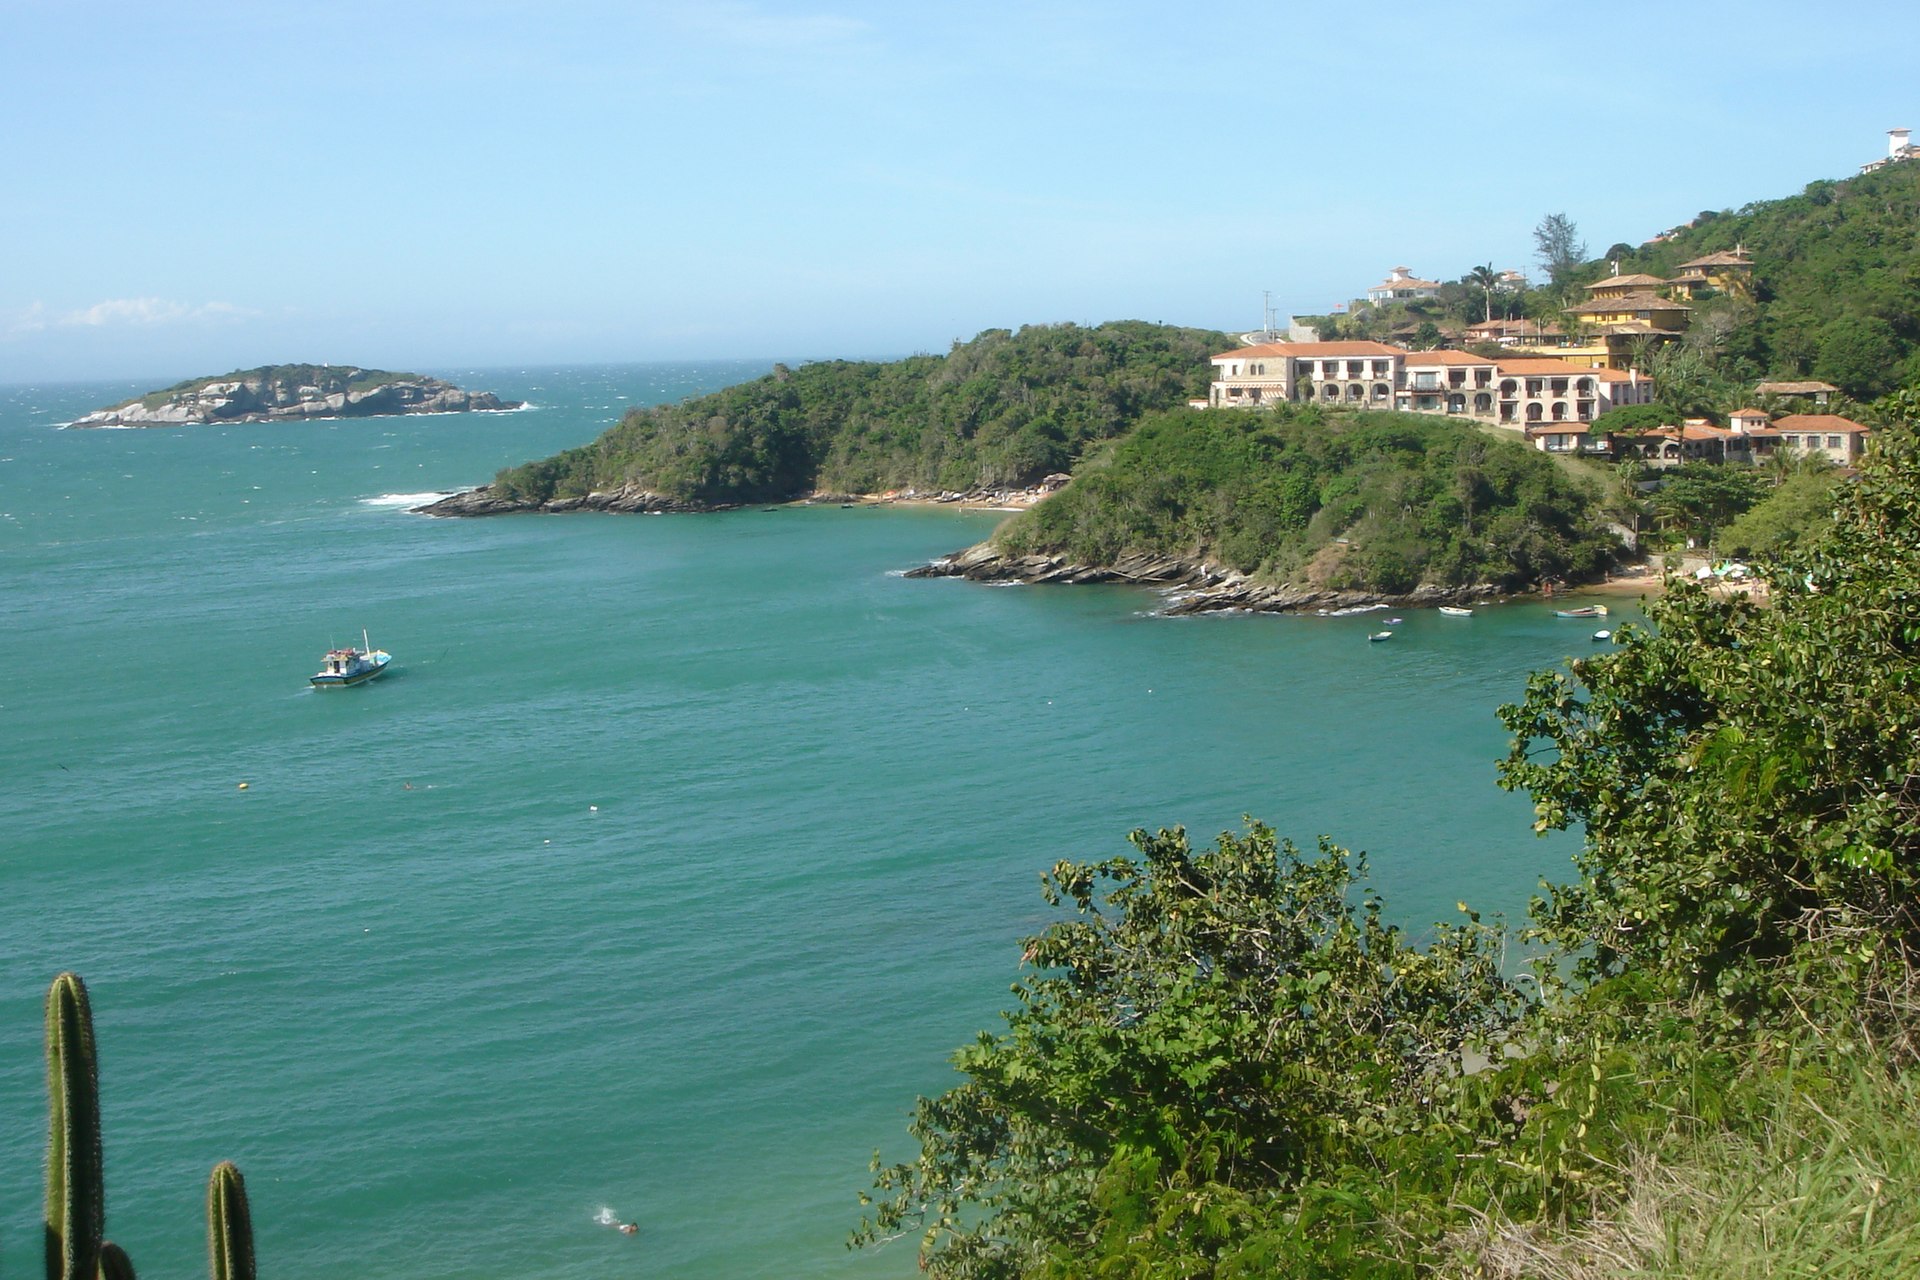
1818	422
1542	367
1315	350
1445	356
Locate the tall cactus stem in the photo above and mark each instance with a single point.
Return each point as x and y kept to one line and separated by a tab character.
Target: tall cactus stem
229	1224
76	1195
114	1263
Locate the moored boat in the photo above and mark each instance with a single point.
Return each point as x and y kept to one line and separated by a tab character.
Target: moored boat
1584	611
1378	636
343	667
1602	636
1455	611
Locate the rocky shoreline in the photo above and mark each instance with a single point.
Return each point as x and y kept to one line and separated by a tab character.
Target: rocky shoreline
1193	586
628	500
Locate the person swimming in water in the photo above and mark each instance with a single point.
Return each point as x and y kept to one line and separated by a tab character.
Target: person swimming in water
629	1228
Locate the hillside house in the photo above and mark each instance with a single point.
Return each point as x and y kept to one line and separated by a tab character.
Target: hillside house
1818	392
1839	440
1400	286
1898	149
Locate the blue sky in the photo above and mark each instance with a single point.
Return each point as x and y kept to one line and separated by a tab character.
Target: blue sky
187	188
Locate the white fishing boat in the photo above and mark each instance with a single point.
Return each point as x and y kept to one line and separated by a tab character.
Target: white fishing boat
343	667
1455	611
1602	636
1378	636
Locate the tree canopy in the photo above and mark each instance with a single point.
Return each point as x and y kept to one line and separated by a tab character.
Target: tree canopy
1363	500
1004	409
1226	1063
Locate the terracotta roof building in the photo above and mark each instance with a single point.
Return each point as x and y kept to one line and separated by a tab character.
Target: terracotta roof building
1373	375
1839	440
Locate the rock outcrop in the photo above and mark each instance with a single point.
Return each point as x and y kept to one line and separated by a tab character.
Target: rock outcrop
1193	586
486	501
279	393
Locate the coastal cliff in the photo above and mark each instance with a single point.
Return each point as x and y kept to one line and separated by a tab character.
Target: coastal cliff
1194	584
294	392
490	500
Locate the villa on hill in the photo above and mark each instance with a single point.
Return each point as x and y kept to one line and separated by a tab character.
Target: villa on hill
1751	436
1898	149
1400	285
1511	391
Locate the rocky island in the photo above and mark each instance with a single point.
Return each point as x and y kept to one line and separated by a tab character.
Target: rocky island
294	392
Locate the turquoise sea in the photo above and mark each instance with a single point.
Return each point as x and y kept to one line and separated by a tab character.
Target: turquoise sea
661	874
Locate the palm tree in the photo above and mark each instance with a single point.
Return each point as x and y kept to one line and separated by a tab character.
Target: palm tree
1486	279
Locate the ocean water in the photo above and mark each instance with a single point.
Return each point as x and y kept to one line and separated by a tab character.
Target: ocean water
662	872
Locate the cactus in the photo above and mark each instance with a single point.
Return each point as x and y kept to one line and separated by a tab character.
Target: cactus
114	1263
229	1226
76	1196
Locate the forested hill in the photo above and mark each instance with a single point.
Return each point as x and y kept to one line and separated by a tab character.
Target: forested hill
1291	507
1837	282
1004	409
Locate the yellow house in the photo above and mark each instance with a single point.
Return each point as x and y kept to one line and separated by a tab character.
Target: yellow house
1726	272
1619	286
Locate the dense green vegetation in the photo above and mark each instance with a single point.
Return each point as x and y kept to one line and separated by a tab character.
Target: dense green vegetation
1004	409
1836	294
1221	1064
1372	501
1837	284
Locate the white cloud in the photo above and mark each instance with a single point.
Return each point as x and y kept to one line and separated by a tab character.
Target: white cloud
148	311
32	320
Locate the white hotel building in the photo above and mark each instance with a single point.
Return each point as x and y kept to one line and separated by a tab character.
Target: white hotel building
1516	391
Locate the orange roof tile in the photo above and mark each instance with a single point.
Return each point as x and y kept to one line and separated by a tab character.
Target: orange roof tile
1445	356
1541	367
1316	350
1259	349
1818	422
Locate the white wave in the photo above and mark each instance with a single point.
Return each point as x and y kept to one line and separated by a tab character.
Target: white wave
407	499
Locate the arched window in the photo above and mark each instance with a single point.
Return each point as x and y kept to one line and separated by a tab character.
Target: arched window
1533	413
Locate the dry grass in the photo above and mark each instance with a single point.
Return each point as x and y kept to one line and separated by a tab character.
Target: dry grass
1827	1188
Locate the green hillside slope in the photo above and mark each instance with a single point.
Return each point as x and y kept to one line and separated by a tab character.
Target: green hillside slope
1004	409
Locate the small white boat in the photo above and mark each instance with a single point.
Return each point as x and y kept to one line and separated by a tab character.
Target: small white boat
1455	611
1601	637
1378	636
343	667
